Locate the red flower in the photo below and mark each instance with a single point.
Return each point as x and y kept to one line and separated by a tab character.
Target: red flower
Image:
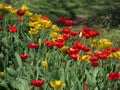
65	36
94	63
33	45
45	18
114	76
86	49
85	86
1	16
59	44
93	58
49	44
20	19
1	28
69	22
66	30
37	83
74	33
61	19
75	56
72	51
20	12
24	56
13	29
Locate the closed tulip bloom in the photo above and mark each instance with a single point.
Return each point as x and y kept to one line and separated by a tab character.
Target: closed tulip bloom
37	83
23	56
13	29
1	74
20	12
44	64
33	45
114	76
57	84
49	44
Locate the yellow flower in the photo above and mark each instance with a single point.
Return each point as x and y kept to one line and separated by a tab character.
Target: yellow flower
94	41
44	64
64	48
25	8
84	58
57	84
55	28
27	13
2	6
104	43
55	35
1	74
33	31
9	8
36	17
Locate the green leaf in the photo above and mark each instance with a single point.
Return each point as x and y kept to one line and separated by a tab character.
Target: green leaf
11	71
19	61
61	74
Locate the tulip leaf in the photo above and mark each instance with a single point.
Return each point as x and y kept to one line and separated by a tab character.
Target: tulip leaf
11	71
19	61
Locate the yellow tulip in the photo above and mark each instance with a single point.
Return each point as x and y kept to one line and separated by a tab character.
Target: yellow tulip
64	48
55	28
1	74
33	31
9	8
2	6
84	58
27	13
55	35
44	64
25	8
57	84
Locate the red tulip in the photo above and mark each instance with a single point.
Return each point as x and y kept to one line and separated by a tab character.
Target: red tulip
114	76
74	33
1	28
69	22
33	45
59	40
85	86
65	36
37	83
86	29
93	58
20	19
59	44
94	63
72	51
1	16
45	18
49	44
13	29
75	56
23	56
66	30
61	19
20	12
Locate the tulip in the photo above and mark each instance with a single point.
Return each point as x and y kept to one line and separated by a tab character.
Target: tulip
57	84
37	83
33	45
49	44
13	29
20	12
